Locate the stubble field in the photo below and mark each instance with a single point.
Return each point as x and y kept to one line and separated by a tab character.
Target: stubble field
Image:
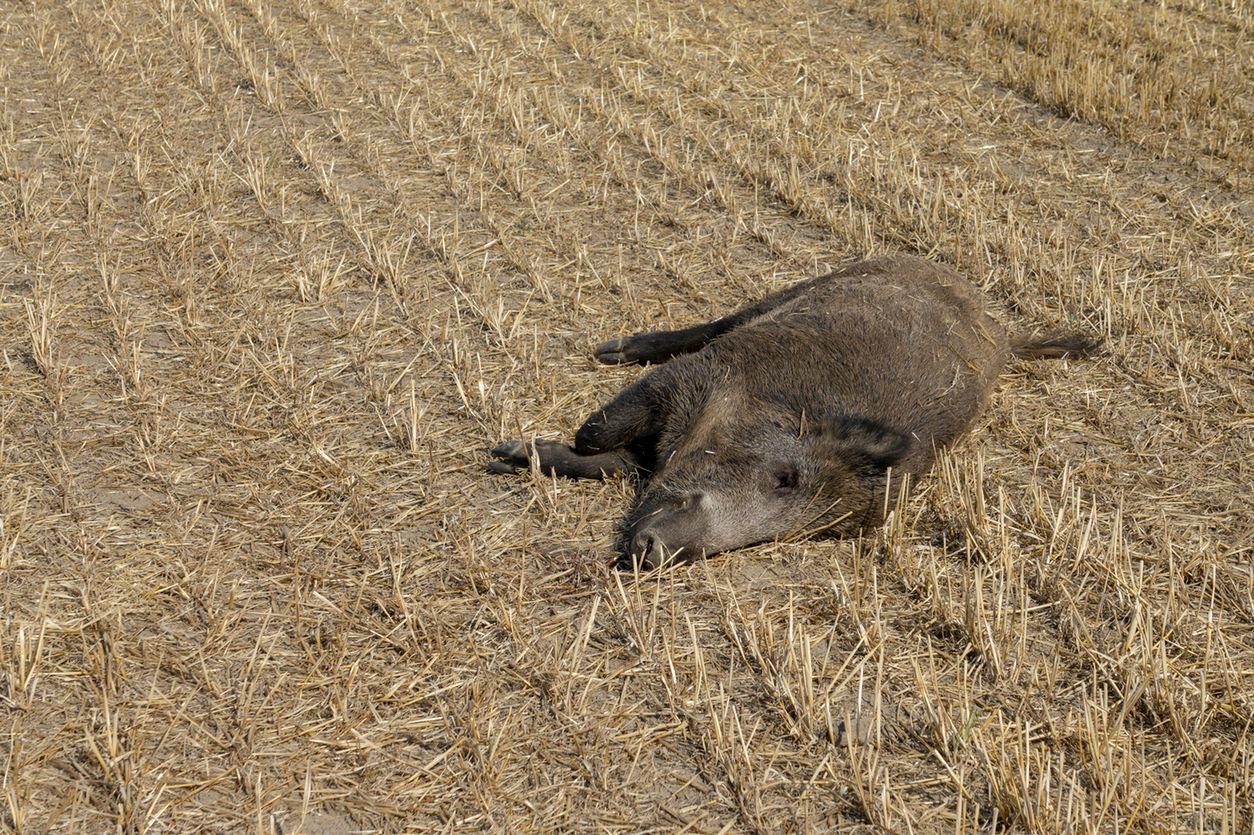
274	276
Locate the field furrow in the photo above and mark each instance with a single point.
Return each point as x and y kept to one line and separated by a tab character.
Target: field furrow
275	274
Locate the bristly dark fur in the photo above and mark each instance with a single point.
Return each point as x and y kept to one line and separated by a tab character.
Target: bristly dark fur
787	416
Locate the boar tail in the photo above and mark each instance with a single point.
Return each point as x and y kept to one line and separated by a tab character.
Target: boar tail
1056	347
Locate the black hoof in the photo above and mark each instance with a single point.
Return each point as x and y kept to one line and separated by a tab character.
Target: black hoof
510	449
613	352
512	457
622	351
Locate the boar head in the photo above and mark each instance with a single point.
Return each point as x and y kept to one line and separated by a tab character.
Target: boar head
736	477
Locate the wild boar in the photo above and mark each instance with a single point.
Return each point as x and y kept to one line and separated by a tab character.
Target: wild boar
792	415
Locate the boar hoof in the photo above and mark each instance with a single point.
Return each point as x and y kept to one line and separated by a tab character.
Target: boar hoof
515	456
614	352
511	457
639	348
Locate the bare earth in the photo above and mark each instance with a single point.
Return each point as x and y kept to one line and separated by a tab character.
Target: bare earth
274	276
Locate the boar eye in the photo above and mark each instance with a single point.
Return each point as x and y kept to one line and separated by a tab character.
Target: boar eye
784	478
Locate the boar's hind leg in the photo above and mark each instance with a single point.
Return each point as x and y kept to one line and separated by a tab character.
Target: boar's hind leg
659	346
556	458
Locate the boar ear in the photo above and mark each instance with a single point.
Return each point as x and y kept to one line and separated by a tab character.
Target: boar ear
868	445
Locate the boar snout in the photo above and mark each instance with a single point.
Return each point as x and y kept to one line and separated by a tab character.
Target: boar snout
668	529
648	550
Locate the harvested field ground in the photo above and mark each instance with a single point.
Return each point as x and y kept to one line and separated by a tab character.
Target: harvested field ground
275	275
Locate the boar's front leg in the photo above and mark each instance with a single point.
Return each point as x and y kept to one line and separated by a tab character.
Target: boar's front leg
556	458
631	418
616	438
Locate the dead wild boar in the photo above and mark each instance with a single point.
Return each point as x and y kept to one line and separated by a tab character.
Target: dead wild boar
787	417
